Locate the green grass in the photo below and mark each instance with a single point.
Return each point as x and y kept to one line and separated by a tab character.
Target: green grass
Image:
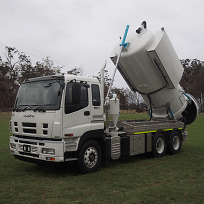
138	116
138	179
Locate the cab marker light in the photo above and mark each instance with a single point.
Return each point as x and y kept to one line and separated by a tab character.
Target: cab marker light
50	158
69	135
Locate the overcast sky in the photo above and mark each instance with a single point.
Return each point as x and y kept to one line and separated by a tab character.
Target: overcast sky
82	33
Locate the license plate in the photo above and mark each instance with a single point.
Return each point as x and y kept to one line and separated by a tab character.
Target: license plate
26	148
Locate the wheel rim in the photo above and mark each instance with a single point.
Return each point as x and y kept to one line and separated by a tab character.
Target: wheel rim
160	145
90	157
176	143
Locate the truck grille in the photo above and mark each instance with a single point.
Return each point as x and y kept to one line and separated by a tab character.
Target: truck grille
29	124
32	131
29	128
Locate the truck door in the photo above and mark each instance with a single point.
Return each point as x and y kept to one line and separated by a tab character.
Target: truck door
96	104
76	117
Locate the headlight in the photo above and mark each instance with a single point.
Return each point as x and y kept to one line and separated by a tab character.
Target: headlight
13	145
48	151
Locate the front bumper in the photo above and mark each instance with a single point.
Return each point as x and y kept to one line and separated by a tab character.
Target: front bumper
32	149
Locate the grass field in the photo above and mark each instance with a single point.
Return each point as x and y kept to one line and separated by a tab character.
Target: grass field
138	179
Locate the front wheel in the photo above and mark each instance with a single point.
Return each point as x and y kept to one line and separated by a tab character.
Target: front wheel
174	142
90	157
159	144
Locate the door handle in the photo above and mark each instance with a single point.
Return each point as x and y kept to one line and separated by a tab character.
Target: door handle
86	113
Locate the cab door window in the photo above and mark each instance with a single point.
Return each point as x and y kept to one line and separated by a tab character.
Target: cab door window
96	101
69	106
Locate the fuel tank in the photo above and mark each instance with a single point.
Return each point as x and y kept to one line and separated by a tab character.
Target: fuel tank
150	66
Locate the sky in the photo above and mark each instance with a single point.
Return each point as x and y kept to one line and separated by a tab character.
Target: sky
83	33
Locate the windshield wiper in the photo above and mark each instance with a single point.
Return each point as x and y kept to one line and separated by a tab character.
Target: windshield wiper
17	108
28	107
40	108
50	84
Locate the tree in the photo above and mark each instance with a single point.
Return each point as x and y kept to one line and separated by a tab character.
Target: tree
78	71
192	79
44	68
122	96
107	81
134	100
16	69
4	84
10	71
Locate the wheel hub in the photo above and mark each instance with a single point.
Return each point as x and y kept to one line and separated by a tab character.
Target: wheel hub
176	142
90	157
160	145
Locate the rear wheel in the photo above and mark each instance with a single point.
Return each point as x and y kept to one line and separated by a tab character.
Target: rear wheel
90	157
174	142
159	144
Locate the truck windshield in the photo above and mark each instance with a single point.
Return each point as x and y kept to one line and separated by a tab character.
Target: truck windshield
39	95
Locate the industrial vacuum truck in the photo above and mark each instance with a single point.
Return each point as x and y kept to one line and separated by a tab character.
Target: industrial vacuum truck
61	118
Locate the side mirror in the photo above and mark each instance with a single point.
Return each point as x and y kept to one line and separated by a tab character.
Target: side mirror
76	93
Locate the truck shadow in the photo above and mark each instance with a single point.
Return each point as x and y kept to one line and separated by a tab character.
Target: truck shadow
132	159
60	170
72	169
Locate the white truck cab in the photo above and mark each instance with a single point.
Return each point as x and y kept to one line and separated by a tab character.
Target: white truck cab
52	114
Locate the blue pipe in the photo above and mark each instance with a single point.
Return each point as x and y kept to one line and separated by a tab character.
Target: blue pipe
124	38
149	113
189	98
171	113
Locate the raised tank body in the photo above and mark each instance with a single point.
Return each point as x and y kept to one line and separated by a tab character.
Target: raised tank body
150	66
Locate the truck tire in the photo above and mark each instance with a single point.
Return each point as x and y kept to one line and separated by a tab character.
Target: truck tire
159	144
174	142
90	157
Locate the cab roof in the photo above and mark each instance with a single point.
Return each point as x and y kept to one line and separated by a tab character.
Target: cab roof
65	77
